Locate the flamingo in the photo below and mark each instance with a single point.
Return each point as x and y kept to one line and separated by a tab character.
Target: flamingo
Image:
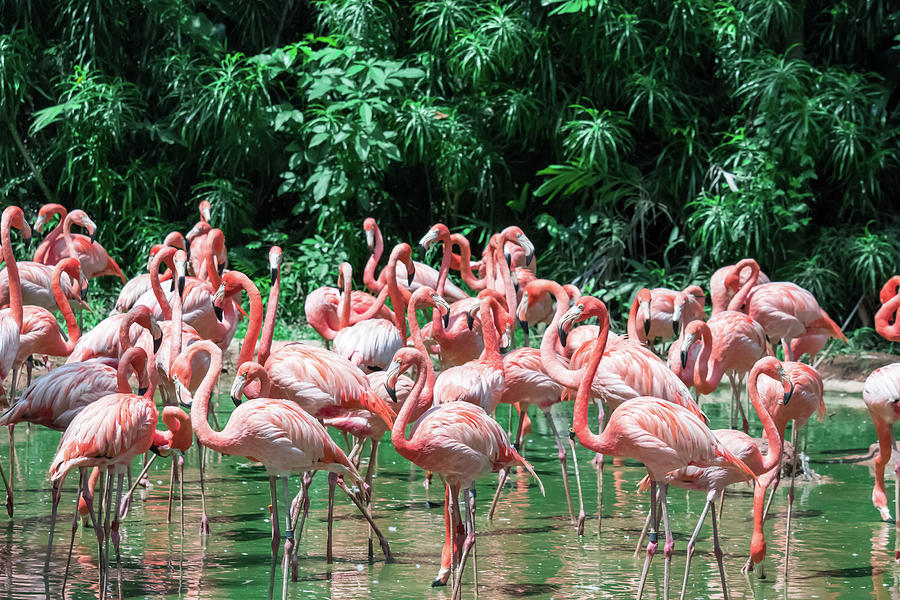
422	274
277	433
714	480
785	310
732	342
139	284
660	312
95	262
45	214
458	440
137	327
886	323
37	290
11	318
662	435
806	400
719	294
881	393
268	328
108	434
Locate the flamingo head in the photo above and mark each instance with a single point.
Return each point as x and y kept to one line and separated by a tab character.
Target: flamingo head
690	336
403	253
80	218
46	213
584	308
205	211
678	312
345	275
773	368
176	240
890	289
16	218
438	233
517	236
178	423
370	227
403	359
180	262
246	373
274	263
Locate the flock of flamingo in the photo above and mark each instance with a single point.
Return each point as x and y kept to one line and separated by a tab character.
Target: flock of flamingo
377	374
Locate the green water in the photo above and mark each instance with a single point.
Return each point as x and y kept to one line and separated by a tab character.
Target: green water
840	548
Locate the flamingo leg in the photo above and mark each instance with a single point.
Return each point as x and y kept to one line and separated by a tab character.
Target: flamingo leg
562	463
669	547
12	473
116	538
504	473
691	547
719	556
12	465
98	526
332	482
204	521
468	545
181	491
653	541
126	500
370	468
173	475
787	535
640	542
447	550
301	501
721	503
736	400
581	516
289	537
385	548
82	489
107	526
55	492
9	501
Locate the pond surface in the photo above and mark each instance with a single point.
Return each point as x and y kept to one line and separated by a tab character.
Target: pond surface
840	548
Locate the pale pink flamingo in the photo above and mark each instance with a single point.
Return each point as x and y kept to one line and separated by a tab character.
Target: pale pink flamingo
458	440
660	434
370	343
660	312
806	400
277	433
45	214
268	329
732	342
139	284
108	434
95	262
36	280
11	318
629	370
137	327
720	295
886	322
881	394
714	480
422	273
785	310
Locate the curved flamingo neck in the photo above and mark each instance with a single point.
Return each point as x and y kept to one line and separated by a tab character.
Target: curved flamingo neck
53	235
509	289
773	434
490	327
417	402
213	238
416	334
398	299
884	316
465	263
570	378
446	259
131	362
372	264
128	320
206	435
72	329
256	316
268	328
597	443
67	235
156	286
256	372
373	309
741	297
703	381
345	299
12	270
177	328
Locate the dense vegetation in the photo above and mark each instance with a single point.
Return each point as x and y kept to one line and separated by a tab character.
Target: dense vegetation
639	143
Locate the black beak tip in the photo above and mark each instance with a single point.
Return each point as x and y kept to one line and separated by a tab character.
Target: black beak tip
524	326
676	327
237	401
787	397
155	450
391	392
92	238
646	326
181	283
84	293
185	405
470	321
563	336
445	318
273	275
221	269
409	277
157	342
219	313
172	287
508	259
529	258
684	357
142	391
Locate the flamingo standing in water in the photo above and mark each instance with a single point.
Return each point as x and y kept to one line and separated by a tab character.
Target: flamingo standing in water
785	310
886	322
732	342
660	434
275	432
714	480
458	440
881	394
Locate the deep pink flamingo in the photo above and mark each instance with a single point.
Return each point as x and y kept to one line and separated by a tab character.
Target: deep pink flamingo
732	342
886	322
720	295
785	310
95	262
660	312
11	318
458	440
881	393
660	434
277	433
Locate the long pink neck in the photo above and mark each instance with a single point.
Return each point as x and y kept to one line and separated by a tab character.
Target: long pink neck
372	264
345	301
704	382
465	263
741	297
490	332
258	373
155	285
72	329
773	435
256	316
206	435
129	319
597	443
15	285
373	309
67	236
632	320
129	363
416	334
397	298
446	259
54	234
509	289
268	329
549	359
416	402
177	329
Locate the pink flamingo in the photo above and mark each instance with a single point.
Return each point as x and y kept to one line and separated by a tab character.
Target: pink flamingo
45	215
457	440
268	328
272	431
423	274
36	280
95	262
785	310
660	434
660	312
881	393
11	318
806	400
714	480
886	322
139	326
108	434
732	342
139	284
719	294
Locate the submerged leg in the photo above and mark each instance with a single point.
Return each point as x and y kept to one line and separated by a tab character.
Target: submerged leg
710	499
579	526
385	548
718	551
787	535
126	500
12	468
504	473
560	446
370	469
55	492
468	545
652	543
120	481
81	490
204	521
276	523
289	537
332	482
669	547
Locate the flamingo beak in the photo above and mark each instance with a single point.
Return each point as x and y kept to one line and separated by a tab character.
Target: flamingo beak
142	391
524	326
220	314
427	239
528	247
182	394
685	346
390	380
508	257
570	315
157	342
84	292
237	389
410	274
217	301
181	283
370	239
273	275
645	306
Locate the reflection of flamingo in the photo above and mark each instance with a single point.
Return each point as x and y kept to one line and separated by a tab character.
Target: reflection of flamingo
663	436
714	480
277	433
886	322
881	394
457	440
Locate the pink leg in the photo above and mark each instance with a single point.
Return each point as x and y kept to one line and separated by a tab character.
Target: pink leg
654	540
